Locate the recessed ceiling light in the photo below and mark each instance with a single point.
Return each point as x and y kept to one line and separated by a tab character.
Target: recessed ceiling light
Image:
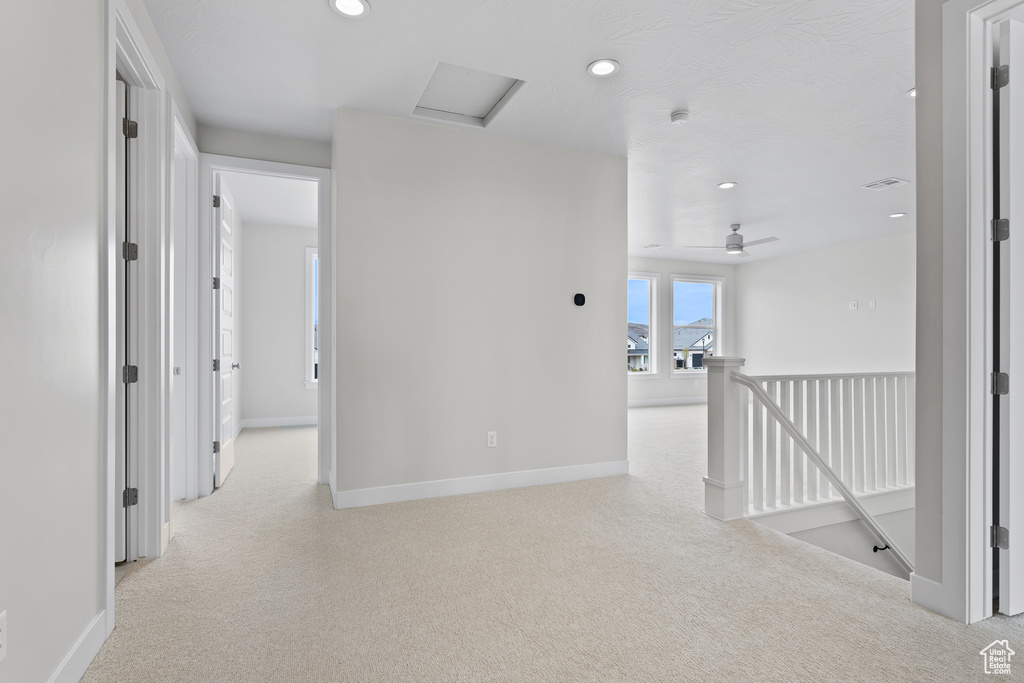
350	8
603	67
728	185
912	92
897	215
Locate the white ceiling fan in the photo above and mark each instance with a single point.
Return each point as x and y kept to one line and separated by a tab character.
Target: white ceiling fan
734	242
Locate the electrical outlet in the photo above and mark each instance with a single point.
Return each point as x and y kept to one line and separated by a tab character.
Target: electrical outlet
492	439
871	304
3	635
853	305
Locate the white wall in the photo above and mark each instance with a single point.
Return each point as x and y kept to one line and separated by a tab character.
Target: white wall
794	317
53	66
664	387
856	541
263	147
453	243
930	352
273	339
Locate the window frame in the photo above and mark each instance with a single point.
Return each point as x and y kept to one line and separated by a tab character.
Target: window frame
312	266
653	280
718	283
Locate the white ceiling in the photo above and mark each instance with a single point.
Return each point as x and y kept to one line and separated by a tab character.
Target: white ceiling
799	101
272	200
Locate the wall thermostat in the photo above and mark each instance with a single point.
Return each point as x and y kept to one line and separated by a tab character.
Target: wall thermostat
579	299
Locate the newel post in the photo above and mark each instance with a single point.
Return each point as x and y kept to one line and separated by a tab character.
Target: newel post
724	494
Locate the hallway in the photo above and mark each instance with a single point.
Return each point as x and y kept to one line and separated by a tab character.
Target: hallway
617	579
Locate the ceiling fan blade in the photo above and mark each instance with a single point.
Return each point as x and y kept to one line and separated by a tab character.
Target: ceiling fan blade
766	240
703	246
744	254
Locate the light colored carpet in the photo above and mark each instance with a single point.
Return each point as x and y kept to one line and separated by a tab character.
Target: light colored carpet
618	579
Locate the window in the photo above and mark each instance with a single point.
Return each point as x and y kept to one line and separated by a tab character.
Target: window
640	328
312	316
694	322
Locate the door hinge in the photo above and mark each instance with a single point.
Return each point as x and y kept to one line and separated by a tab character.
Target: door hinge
130	374
129	251
216	446
1000	383
1000	229
1000	76
1000	537
216	283
216	364
216	201
129	128
129	498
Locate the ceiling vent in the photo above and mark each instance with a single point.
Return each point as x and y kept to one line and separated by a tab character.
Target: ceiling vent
885	184
459	95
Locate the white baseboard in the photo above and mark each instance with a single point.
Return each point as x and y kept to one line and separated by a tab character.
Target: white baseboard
933	596
676	401
479	484
166	534
303	421
83	652
796	519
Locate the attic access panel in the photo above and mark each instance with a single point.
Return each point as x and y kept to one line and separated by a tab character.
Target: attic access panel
459	95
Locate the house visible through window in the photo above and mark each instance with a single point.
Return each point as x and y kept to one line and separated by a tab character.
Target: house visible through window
693	323
312	316
639	327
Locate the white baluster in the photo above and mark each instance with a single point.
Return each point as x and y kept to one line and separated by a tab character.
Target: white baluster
835	460
798	455
771	497
824	436
881	471
901	431
758	455
858	434
890	431
911	427
870	427
785	448
812	437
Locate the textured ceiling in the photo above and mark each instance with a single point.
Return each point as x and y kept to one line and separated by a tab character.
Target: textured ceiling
799	101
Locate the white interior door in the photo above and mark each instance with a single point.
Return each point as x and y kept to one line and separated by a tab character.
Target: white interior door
1011	319
120	481
225	344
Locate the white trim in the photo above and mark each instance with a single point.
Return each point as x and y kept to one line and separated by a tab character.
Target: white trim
672	401
964	592
478	484
166	533
254	422
209	166
182	141
78	659
717	299
653	367
126	53
311	256
795	519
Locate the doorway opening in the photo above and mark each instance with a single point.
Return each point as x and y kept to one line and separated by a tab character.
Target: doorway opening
263	228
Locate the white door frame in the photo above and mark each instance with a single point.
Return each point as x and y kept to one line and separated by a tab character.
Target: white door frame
209	166
183	144
128	55
965	591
